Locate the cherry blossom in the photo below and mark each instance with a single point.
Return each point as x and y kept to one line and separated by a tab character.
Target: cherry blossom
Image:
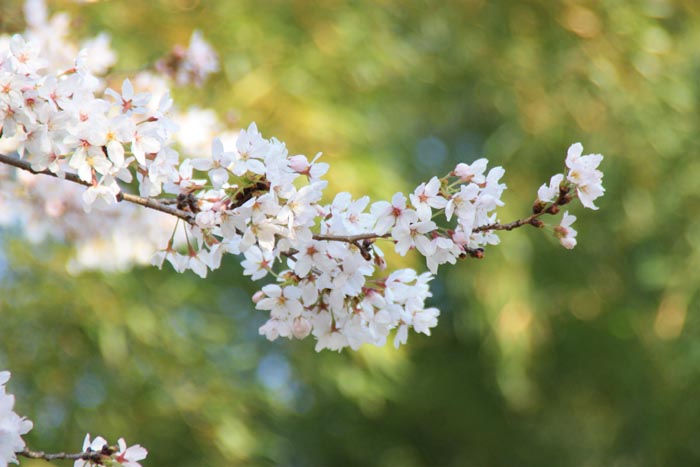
12	426
129	456
565	233
548	193
95	445
584	174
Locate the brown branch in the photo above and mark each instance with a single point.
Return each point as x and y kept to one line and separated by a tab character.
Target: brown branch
71	177
24	165
96	457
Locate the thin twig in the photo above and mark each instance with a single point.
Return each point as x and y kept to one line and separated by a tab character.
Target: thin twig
530	220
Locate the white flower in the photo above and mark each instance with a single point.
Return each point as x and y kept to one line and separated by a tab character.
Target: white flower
446	251
565	233
129	456
425	197
144	141
95	446
282	302
584	174
423	320
257	262
217	165
314	170
273	328
389	214
128	101
409	236
12	426
312	255
462	203
25	55
251	148
105	193
471	173
197	264
548	194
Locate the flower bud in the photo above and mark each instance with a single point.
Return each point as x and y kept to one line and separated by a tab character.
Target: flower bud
538	207
257	296
553	209
299	164
301	327
464	172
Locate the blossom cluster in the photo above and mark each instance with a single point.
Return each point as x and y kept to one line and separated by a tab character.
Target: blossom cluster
325	258
12	426
53	209
584	178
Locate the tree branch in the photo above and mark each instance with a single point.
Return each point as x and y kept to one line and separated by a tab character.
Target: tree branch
530	220
71	177
96	457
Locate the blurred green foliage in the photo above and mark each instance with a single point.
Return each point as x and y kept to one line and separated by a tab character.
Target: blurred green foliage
543	357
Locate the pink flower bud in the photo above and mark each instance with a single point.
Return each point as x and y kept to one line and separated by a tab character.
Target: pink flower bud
464	172
299	164
301	327
460	238
257	296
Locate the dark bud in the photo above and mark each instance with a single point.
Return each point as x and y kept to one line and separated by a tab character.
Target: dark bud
553	209
365	250
564	196
564	200
182	201
477	253
537	223
537	207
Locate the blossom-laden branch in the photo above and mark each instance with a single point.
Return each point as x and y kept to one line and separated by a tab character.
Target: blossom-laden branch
252	198
164	205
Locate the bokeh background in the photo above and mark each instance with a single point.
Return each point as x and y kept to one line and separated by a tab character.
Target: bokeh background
543	357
